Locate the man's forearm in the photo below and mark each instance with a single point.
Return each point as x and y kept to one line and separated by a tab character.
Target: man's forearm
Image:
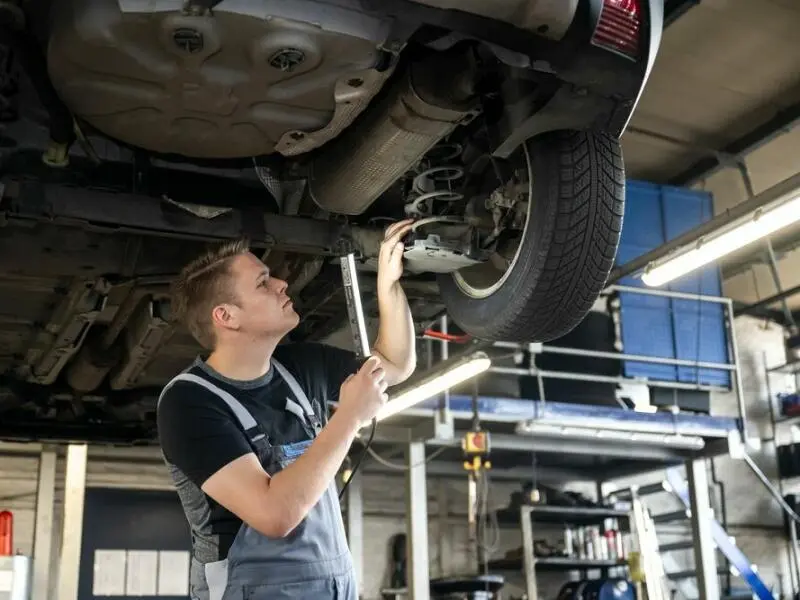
296	489
395	342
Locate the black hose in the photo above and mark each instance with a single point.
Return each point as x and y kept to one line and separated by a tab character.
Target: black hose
360	458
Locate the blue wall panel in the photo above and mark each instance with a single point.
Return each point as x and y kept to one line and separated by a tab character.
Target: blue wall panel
652	326
646	320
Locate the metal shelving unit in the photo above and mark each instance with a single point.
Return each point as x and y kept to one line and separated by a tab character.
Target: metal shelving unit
575	515
781	430
781	424
529	564
553	563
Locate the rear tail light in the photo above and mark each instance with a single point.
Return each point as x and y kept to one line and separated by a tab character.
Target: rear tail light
619	27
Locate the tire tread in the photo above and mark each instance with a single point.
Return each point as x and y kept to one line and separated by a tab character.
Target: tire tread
575	256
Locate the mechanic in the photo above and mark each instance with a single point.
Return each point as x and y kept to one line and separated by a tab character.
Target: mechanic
245	435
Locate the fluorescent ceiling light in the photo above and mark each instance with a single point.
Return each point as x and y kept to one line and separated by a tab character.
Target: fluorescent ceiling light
739	234
581	432
444	376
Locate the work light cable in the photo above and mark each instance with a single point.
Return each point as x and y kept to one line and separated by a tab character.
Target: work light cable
360	458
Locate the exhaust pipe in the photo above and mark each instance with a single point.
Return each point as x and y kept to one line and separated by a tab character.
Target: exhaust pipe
429	100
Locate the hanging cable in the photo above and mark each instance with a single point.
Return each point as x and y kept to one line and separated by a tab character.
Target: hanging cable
360	458
401	467
487	520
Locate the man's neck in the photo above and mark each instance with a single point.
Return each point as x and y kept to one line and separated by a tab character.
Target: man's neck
242	362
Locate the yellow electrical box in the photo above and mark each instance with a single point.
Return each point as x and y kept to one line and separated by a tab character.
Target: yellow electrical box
476	442
476	447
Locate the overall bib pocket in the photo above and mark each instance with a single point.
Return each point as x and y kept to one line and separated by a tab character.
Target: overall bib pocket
317	589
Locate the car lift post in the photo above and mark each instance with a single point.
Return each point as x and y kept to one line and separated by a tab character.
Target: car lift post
44	522
72	525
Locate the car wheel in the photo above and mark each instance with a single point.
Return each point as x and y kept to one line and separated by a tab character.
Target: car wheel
543	284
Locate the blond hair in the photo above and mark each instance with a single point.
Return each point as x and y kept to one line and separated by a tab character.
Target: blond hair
203	284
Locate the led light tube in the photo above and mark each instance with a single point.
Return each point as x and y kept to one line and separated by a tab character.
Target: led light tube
761	224
435	383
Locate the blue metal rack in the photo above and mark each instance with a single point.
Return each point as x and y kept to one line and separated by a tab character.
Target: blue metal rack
670	327
494	408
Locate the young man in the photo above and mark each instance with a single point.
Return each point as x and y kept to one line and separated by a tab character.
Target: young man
244	431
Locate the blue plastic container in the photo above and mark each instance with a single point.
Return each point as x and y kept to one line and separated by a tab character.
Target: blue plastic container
609	589
790	404
598	589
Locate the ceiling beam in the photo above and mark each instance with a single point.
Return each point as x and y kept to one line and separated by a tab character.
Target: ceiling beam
783	122
708	228
744	259
675	9
770	314
751	309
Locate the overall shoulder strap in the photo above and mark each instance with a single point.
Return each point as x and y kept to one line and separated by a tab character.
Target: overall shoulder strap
245	418
300	395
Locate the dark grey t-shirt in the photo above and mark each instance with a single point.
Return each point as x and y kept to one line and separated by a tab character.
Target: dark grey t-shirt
199	434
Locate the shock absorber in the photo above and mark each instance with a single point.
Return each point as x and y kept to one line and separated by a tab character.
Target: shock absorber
436	182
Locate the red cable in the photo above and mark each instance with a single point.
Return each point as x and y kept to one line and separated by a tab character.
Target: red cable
449	337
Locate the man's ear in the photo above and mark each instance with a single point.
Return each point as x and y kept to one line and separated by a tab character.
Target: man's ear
224	315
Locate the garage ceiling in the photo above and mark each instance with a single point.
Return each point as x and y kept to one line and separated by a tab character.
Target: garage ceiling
727	80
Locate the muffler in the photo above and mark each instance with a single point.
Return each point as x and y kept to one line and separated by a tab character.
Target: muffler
427	102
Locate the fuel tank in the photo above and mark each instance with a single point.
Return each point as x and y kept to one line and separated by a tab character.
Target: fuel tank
247	79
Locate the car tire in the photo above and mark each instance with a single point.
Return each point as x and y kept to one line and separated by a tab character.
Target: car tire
567	248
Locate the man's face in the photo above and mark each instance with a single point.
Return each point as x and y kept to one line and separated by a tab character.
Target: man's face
263	308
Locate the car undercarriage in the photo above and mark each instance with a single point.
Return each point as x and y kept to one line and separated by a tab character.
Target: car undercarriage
133	133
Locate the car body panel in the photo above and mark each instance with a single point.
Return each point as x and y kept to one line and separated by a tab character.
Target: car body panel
232	86
258	78
548	18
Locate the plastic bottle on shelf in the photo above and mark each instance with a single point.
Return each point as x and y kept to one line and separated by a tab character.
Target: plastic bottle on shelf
569	541
597	545
621	553
610	541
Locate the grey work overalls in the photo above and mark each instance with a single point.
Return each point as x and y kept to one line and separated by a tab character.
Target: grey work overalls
313	562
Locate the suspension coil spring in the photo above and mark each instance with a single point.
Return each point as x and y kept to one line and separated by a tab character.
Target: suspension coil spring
436	182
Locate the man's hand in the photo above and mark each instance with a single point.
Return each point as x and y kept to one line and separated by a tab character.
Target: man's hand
390	259
364	393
